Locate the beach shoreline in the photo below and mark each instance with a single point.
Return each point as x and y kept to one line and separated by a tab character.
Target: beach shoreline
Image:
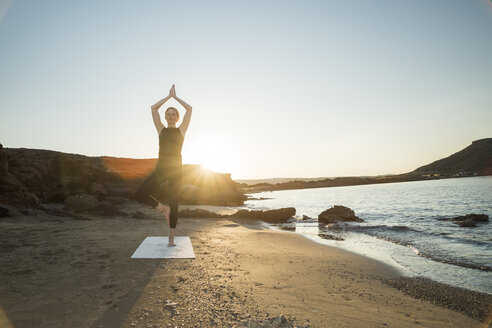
59	272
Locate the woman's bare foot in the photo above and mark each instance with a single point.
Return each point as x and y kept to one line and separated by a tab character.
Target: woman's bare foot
171	237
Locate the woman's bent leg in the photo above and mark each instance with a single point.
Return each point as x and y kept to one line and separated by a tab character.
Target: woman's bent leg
148	189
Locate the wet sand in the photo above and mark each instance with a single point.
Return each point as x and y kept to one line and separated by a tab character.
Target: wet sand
65	272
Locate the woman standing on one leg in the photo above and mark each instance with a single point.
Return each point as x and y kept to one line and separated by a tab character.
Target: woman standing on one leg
169	165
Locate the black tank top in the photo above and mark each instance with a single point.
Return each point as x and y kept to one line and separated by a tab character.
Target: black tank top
170	145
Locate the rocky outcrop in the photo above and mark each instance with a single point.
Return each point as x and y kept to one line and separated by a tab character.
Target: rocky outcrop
53	176
271	216
469	220
338	213
13	191
33	176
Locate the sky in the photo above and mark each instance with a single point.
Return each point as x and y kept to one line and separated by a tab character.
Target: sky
278	88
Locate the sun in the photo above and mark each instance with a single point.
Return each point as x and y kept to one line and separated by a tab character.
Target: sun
217	162
220	158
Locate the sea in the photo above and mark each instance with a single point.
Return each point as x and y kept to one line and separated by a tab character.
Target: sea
405	225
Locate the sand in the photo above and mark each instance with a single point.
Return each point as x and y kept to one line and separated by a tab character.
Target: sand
66	272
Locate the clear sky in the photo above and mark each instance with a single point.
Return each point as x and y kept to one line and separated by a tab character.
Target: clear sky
278	88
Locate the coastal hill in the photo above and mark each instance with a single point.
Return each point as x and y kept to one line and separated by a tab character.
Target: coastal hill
474	160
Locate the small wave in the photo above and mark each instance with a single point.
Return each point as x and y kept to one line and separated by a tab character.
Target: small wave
422	243
436	257
457	262
399	233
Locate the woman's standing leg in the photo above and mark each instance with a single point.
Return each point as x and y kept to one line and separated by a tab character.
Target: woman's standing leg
174	190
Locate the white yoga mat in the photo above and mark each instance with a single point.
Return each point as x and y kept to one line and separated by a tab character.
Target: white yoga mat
156	248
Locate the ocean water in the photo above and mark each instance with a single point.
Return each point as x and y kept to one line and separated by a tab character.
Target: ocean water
404	225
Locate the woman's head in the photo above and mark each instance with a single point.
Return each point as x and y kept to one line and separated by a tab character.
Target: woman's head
172	115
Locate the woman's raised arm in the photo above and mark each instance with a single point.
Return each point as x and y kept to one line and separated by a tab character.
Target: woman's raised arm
186	119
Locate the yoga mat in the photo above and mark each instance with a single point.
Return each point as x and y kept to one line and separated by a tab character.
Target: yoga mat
156	248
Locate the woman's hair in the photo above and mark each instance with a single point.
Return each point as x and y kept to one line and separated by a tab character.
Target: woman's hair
177	112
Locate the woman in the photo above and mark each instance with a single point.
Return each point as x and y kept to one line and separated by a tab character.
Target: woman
169	165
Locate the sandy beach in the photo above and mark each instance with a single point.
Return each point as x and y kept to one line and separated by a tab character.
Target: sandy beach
77	272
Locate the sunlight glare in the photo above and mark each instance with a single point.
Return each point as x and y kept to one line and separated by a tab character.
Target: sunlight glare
219	158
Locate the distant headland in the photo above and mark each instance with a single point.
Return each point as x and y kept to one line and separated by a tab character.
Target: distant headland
474	160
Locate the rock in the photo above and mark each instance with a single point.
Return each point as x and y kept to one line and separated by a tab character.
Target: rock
31	198
305	217
9	211
471	216
81	203
285	226
279	320
58	212
467	223
329	237
273	216
98	191
275	322
54	209
32	211
338	213
469	220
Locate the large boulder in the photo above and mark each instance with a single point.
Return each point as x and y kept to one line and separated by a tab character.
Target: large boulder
8	211
338	213
272	216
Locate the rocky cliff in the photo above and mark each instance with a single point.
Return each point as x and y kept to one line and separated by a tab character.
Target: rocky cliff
32	176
